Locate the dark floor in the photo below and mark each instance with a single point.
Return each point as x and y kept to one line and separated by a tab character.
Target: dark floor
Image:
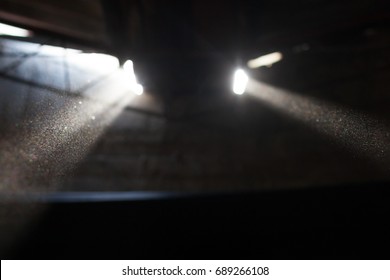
323	223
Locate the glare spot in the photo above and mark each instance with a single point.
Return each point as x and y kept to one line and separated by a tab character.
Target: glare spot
240	81
10	30
139	89
104	61
58	51
265	60
134	86
128	66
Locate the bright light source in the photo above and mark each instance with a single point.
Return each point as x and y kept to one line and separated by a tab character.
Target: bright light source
265	60
128	67
139	89
98	60
10	30
240	81
93	63
58	51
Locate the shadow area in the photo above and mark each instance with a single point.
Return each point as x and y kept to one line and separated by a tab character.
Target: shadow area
339	222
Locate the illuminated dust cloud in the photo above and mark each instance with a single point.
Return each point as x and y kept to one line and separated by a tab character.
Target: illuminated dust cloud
356	132
39	150
54	146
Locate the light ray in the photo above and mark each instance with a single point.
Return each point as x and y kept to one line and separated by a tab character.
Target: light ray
56	140
357	132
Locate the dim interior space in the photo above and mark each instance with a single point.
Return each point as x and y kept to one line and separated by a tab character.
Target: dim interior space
169	114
